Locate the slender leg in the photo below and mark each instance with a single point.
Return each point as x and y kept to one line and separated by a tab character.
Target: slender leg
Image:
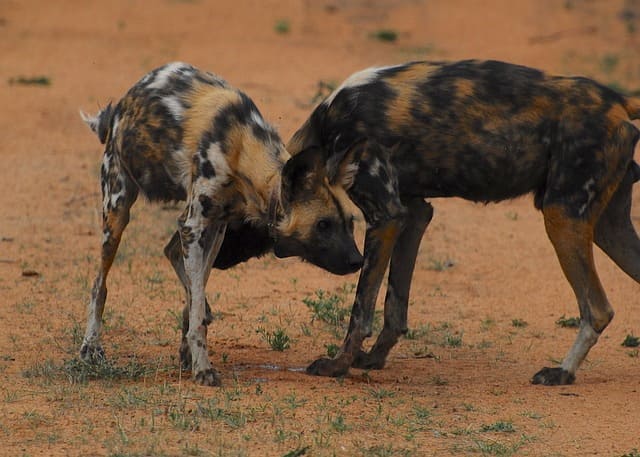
375	191
119	193
396	301
591	203
572	240
173	251
614	232
379	242
201	241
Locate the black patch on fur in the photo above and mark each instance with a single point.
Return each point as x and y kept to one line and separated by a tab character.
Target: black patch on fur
207	205
207	170
241	243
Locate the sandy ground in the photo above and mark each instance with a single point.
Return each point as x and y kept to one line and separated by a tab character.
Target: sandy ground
486	294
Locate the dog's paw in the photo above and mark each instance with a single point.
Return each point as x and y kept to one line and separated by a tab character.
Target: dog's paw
328	367
368	361
208	377
553	377
92	354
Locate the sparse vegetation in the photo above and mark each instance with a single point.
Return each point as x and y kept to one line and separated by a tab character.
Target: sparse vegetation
327	307
277	339
31	80
386	35
440	264
282	26
500	426
631	341
568	322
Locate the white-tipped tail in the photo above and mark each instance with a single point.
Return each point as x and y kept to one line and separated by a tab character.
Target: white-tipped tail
91	121
100	123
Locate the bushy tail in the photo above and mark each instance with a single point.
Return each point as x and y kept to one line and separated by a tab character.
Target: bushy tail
100	123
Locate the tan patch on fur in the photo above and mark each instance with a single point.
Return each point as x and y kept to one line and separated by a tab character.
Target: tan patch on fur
205	101
464	87
404	85
304	215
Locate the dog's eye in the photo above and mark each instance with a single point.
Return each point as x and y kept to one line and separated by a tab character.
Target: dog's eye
323	225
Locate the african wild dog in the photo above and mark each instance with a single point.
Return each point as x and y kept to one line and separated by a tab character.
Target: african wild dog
485	131
183	134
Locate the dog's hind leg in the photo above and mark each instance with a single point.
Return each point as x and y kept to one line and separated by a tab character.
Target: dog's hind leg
396	301
614	232
173	252
119	192
572	240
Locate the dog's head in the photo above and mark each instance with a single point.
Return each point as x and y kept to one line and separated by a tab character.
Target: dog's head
317	224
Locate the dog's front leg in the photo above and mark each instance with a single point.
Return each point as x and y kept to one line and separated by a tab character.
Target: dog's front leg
378	245
173	251
201	240
403	260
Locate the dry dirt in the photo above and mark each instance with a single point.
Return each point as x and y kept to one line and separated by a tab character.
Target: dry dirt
481	327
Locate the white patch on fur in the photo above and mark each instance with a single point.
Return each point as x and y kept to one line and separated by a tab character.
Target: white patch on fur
162	77
359	78
257	119
586	339
174	104
209	186
589	189
114	126
183	168
219	162
91	121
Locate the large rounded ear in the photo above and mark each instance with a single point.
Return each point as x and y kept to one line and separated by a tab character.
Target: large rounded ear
302	173
342	166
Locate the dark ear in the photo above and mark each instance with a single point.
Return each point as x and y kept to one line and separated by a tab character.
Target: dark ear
301	173
342	166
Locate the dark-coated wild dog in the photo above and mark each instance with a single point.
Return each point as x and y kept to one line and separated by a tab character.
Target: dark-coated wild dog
485	131
183	134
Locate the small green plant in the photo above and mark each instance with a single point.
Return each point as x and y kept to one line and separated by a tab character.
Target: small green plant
31	80
278	339
609	63
381	393
282	26
496	448
440	264
519	323
338	424
512	215
297	452
487	323
386	35
500	426
454	341
332	350
326	307
633	453
568	322
631	341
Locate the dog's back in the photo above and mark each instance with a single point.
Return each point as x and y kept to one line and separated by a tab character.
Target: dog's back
174	113
481	130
